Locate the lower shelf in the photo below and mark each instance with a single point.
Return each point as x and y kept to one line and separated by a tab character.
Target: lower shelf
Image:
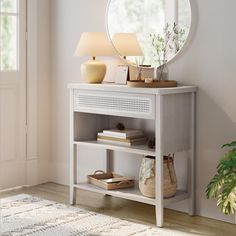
131	194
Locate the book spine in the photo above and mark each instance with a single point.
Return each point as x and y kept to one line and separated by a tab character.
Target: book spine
138	142
115	134
107	136
121	135
113	139
113	142
110	135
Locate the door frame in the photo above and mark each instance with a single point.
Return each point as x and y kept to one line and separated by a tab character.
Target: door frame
14	83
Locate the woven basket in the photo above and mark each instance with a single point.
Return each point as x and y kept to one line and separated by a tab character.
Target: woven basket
147	180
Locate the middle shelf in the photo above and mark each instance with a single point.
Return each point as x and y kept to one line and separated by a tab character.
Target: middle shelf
136	149
131	194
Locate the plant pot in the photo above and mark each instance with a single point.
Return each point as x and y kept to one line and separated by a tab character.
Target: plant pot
147	177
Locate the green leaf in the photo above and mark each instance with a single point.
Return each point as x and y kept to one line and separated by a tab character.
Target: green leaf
215	185
227	199
233	144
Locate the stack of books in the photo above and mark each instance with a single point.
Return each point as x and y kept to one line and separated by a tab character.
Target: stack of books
127	137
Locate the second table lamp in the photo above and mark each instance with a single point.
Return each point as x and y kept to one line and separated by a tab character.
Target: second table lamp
127	44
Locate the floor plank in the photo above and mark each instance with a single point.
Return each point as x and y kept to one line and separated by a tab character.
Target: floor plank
129	210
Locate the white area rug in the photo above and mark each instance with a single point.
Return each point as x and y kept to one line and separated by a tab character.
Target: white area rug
28	215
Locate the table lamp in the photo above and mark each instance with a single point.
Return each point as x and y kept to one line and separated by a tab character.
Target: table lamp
127	44
93	44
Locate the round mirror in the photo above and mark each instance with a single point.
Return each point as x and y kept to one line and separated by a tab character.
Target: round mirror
153	29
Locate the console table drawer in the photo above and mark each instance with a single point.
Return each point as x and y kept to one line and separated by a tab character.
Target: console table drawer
114	103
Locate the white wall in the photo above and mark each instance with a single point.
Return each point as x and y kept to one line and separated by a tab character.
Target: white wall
207	61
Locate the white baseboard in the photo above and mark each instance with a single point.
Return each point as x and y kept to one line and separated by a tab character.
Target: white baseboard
15	188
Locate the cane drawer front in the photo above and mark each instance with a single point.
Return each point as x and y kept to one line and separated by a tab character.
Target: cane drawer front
115	103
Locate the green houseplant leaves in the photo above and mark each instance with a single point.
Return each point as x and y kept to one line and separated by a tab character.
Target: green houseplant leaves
223	184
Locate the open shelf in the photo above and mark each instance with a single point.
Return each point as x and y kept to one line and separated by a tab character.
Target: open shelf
131	194
136	149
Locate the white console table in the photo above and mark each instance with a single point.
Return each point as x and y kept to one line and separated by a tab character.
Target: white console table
172	113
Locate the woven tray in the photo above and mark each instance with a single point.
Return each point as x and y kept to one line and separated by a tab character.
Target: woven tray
155	84
98	176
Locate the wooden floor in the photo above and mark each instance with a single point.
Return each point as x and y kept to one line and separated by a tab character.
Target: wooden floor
129	210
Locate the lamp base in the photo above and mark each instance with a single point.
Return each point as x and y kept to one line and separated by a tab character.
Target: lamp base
93	71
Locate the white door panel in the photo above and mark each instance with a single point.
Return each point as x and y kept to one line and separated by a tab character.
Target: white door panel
12	93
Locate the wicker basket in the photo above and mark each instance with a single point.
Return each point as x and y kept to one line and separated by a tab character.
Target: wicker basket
147	177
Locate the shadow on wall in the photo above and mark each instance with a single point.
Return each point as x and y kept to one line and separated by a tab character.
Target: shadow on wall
192	34
214	128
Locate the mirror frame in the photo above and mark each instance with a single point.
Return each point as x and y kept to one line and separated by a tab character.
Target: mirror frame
190	32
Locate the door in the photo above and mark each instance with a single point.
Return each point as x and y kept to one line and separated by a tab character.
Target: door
12	93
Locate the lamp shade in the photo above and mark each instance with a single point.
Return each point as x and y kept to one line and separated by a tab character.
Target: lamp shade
94	44
127	44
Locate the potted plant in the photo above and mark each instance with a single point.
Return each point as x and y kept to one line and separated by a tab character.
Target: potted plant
223	184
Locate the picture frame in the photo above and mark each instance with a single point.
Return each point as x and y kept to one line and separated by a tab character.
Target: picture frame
122	74
146	72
